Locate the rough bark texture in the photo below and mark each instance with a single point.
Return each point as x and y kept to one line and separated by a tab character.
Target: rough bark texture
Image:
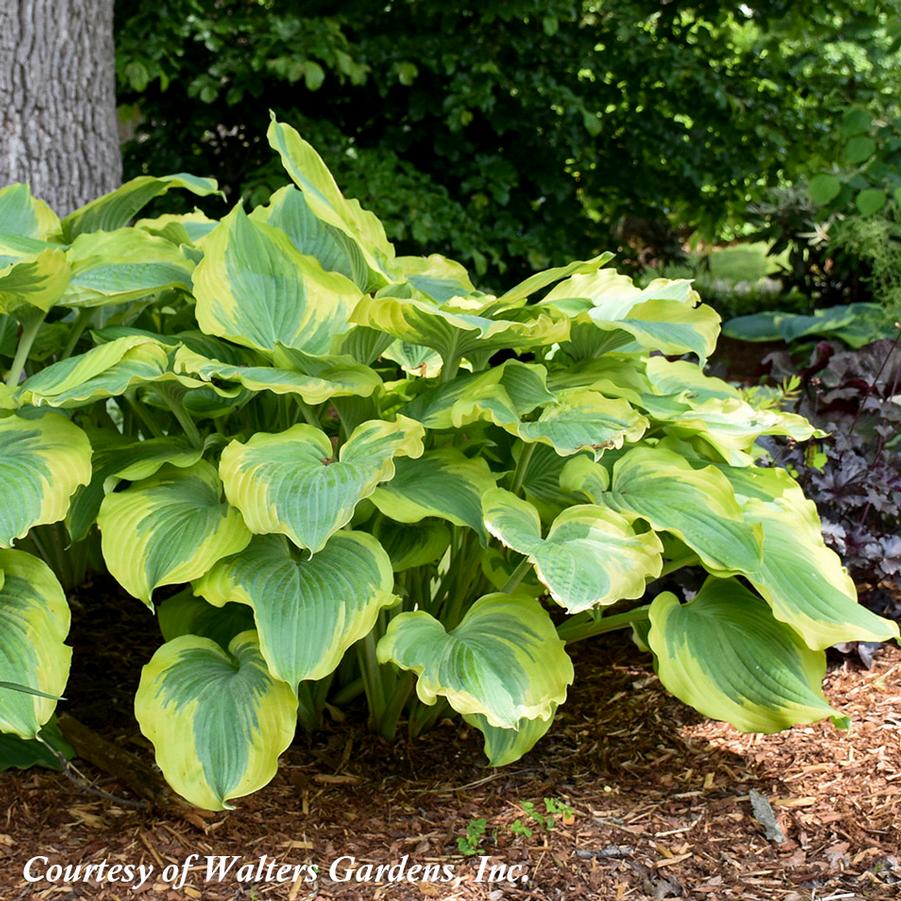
58	100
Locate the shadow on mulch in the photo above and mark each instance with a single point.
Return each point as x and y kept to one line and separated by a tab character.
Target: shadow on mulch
660	797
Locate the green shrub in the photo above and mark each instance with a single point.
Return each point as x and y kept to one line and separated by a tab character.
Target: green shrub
365	475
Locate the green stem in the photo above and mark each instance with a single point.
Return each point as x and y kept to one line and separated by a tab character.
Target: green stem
518	574
576	628
522	467
307	712
309	414
372	677
30	328
147	420
678	563
184	418
449	369
349	692
78	327
388	723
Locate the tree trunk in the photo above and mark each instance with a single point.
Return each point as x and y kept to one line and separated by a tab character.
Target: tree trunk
58	99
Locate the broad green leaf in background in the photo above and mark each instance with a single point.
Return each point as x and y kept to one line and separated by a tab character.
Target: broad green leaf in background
325	200
696	505
724	654
119	266
34	622
116	209
824	188
255	288
592	556
802	579
582	419
504	661
308	612
217	719
290	483
336	252
167	529
43	461
505	746
442	483
409	546
186	614
21	213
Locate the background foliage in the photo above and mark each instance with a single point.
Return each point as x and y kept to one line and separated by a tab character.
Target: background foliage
510	135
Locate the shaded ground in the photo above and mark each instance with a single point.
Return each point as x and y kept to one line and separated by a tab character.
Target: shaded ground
660	799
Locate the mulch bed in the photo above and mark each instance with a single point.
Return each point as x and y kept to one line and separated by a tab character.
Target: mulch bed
661	799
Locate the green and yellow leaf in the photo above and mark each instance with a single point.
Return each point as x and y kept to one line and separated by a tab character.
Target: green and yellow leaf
34	622
43	461
290	483
726	655
504	661
168	529
308	612
592	556
218	720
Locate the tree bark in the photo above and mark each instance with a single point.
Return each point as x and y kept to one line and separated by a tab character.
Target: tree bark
58	99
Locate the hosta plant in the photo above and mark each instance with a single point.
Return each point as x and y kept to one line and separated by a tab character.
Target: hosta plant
331	472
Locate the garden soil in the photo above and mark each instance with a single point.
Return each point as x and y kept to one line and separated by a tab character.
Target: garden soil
663	804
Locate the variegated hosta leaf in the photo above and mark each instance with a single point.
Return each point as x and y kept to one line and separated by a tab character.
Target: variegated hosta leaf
663	316
581	419
326	377
116	209
731	426
541	483
218	720
442	483
255	288
591	556
613	375
435	276
104	371
290	483
118	266
458	326
38	280
686	381
502	395
21	213
34	622
585	478
325	200
415	359
43	461
725	654
168	529
518	295
118	459
336	252
179	228
504	746
504	661
696	505
308	612
410	546
800	577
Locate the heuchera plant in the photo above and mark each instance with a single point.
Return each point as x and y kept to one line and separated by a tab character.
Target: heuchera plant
368	477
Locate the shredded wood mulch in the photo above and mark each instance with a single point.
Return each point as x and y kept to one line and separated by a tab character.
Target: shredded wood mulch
664	805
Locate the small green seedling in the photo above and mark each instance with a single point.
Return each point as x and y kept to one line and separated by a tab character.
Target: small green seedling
471	844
